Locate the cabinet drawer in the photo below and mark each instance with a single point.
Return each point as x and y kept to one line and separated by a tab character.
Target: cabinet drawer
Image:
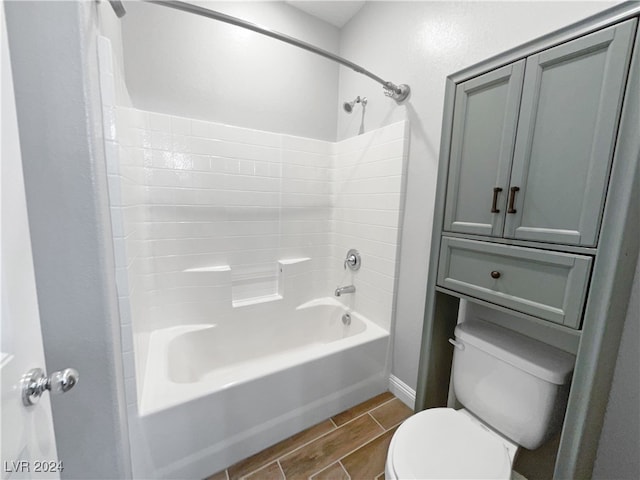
549	285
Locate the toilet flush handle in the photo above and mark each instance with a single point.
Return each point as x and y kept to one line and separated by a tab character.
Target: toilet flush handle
458	345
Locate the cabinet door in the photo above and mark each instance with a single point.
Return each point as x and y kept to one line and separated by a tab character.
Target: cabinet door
483	136
571	102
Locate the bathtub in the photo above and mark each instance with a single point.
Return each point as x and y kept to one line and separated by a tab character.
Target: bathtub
216	393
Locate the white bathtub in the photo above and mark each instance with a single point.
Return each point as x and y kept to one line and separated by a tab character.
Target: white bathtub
214	394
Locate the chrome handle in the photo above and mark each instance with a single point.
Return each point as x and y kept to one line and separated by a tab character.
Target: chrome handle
494	205
353	260
512	199
35	382
350	260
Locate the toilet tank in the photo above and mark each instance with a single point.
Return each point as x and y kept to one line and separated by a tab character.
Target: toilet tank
515	384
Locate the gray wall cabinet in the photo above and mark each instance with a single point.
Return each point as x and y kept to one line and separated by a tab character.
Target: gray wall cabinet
537	209
532	162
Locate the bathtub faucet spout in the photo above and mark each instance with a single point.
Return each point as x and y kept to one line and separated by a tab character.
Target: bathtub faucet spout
347	289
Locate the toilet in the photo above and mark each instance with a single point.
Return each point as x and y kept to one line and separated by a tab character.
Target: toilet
514	391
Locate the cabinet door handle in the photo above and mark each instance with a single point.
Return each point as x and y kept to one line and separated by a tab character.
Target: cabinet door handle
494	205
512	199
495	274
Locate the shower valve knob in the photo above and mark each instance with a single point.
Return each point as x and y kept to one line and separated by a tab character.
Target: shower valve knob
353	260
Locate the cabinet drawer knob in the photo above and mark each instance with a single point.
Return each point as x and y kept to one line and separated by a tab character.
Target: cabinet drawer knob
494	204
495	274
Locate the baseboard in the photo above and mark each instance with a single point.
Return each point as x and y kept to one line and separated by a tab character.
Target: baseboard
401	390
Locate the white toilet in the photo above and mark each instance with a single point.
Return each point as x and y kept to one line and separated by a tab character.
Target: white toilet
514	390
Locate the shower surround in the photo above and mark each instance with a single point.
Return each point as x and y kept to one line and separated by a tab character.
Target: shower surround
229	239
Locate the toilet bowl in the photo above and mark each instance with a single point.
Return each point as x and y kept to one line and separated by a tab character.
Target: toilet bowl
446	443
514	391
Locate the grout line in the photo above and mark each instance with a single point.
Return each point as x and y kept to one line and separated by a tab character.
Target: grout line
345	470
397	424
304	444
315	474
374	419
334	423
243	477
384	403
365	412
226	472
282	470
359	447
251	472
362	445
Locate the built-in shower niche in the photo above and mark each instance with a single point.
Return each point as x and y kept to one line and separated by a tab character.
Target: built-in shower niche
253	284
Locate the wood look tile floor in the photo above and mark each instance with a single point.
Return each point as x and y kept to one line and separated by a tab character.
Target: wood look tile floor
351	445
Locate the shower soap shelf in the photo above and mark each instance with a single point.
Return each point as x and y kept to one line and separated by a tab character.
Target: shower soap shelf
218	268
292	265
293	261
245	302
253	285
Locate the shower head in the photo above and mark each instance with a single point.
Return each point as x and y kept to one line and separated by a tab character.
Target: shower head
348	106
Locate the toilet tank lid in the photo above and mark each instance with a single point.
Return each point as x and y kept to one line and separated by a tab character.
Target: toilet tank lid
532	356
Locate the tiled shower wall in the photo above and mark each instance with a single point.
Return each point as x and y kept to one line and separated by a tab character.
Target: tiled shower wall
221	207
210	210
209	218
368	181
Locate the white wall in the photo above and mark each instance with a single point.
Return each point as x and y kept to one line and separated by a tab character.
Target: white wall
420	43
191	66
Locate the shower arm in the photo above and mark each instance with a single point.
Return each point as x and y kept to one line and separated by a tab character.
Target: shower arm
398	92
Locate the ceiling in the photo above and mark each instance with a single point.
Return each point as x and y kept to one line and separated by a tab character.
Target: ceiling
335	12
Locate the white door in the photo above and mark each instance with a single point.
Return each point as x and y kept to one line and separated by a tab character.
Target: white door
27	443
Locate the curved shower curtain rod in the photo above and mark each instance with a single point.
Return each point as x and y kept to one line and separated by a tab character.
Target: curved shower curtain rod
398	92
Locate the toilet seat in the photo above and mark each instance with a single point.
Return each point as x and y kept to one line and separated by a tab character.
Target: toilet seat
445	443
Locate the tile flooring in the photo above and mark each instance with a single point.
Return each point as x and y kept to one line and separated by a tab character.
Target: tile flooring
352	444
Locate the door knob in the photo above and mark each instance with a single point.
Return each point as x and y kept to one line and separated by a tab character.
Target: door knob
35	382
